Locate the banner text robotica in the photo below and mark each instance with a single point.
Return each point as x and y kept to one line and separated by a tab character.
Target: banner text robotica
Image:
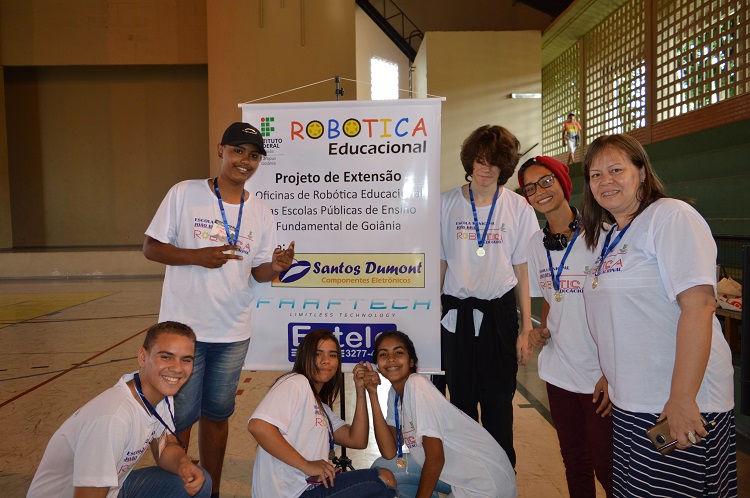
330	177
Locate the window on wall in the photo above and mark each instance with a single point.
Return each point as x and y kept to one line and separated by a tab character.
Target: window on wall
616	73
384	76
703	51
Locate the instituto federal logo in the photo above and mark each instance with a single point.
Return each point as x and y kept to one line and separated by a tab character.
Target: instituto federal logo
267	125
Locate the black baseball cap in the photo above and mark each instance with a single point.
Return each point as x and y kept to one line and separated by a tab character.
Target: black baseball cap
243	133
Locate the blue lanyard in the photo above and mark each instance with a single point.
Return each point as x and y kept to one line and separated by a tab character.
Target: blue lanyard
608	247
331	454
480	240
399	436
152	410
230	241
556	277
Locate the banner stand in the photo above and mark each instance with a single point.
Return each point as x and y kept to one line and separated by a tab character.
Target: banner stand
409	303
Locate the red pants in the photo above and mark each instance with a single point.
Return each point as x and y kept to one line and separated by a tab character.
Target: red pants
585	441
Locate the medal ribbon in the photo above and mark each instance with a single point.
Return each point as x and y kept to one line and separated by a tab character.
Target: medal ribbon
224	215
481	240
330	432
556	277
152	410
399	436
608	247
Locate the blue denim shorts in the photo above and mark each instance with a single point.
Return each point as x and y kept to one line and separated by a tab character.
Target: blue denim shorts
211	389
364	483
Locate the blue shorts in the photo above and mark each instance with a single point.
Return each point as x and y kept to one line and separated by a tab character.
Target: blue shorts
211	389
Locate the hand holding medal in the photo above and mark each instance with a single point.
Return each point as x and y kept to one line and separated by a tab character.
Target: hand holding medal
481	238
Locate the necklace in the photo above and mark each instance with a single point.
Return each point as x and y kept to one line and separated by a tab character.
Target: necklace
480	240
608	249
153	412
556	276
401	461
231	241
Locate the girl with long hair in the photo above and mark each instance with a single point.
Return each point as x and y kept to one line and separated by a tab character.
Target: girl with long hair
297	431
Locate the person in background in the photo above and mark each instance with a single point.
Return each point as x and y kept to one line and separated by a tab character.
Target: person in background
213	235
571	136
484	232
650	301
448	451
94	452
568	362
297	431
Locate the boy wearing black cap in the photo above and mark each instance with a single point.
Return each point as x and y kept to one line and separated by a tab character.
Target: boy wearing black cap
214	235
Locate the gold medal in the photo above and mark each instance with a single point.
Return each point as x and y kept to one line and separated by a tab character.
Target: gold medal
331	455
595	282
401	463
558	296
480	252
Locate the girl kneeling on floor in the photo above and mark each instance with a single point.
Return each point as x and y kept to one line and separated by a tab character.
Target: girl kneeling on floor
296	431
449	451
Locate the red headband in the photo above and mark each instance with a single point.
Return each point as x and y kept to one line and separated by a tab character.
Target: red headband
559	169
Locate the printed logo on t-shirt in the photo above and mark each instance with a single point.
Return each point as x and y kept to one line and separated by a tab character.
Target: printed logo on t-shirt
132	457
410	436
465	230
320	417
613	262
214	231
570	283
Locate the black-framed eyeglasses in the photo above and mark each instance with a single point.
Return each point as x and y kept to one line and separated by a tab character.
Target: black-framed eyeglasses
545	182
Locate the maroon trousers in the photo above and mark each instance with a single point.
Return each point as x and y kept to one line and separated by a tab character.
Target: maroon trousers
585	441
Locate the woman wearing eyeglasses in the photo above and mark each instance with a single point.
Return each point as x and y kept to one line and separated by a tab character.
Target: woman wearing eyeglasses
568	363
484	229
650	302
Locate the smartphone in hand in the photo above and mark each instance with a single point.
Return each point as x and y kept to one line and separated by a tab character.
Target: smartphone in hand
661	438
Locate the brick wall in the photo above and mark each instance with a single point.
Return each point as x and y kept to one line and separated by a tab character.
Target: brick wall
729	111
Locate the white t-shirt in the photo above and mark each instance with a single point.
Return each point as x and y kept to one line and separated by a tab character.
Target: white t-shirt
489	277
98	445
215	302
569	360
290	405
475	465
633	311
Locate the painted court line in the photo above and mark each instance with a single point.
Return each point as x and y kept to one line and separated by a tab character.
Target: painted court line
75	366
79	365
21	308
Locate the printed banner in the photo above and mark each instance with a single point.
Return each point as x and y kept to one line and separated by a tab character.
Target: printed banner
356	185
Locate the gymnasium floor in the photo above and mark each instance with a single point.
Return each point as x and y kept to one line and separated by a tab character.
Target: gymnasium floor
65	341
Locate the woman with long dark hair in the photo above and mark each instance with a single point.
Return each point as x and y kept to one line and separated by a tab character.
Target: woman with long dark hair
297	431
448	451
650	301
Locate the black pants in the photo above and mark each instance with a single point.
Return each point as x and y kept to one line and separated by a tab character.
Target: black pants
482	370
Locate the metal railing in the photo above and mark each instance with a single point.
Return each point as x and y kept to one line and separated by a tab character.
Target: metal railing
729	255
394	23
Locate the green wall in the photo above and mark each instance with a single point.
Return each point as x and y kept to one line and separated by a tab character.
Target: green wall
712	167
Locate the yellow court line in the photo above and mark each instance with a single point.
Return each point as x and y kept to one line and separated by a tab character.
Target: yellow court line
15	308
